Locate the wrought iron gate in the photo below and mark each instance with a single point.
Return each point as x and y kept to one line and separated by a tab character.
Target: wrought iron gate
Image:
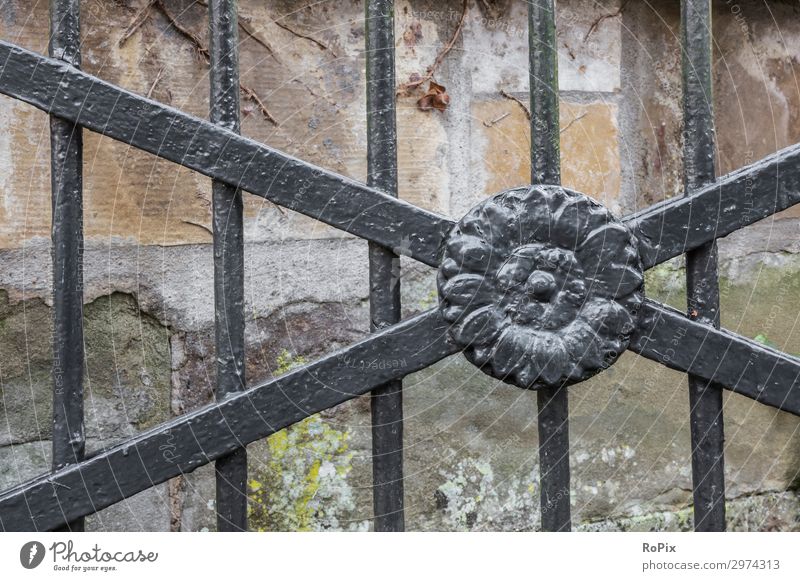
539	286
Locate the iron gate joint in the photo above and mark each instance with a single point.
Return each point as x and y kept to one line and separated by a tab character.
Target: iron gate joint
542	286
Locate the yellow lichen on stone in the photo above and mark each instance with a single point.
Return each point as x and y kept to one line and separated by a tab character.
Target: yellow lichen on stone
302	485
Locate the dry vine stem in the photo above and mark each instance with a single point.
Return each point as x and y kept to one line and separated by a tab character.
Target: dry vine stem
406	88
518	101
141	18
597	22
244	24
527	111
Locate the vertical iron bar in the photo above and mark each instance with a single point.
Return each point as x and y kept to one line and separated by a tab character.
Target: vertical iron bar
66	182
705	398
384	265
553	416
231	471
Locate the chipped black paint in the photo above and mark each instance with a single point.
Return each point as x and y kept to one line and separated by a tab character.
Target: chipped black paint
384	265
228	216
542	286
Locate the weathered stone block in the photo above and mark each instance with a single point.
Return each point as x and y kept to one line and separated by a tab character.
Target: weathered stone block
589	141
495	45
127	372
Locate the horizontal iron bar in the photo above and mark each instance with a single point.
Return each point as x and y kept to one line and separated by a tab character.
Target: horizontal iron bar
750	194
197	438
219	153
735	362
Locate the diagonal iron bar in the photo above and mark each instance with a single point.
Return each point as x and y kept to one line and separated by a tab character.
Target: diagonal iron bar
219	153
197	438
739	364
736	200
665	230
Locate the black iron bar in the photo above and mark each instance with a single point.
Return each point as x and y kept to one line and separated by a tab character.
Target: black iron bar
384	265
739	364
185	443
79	487
736	200
228	215
66	178
202	436
664	230
221	154
553	403
702	285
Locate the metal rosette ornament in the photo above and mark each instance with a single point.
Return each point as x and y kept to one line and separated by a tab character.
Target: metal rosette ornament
541	286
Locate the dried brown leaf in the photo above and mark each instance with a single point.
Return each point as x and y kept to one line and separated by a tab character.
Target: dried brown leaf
435	98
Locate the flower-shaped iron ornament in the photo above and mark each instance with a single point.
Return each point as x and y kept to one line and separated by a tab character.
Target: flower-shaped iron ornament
541	286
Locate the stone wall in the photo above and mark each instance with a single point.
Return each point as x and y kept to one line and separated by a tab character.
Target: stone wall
471	445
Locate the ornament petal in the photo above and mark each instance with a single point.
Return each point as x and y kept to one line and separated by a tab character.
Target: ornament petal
478	327
468	289
509	351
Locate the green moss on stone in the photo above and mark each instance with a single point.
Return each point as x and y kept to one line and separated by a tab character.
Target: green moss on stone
128	359
127	379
